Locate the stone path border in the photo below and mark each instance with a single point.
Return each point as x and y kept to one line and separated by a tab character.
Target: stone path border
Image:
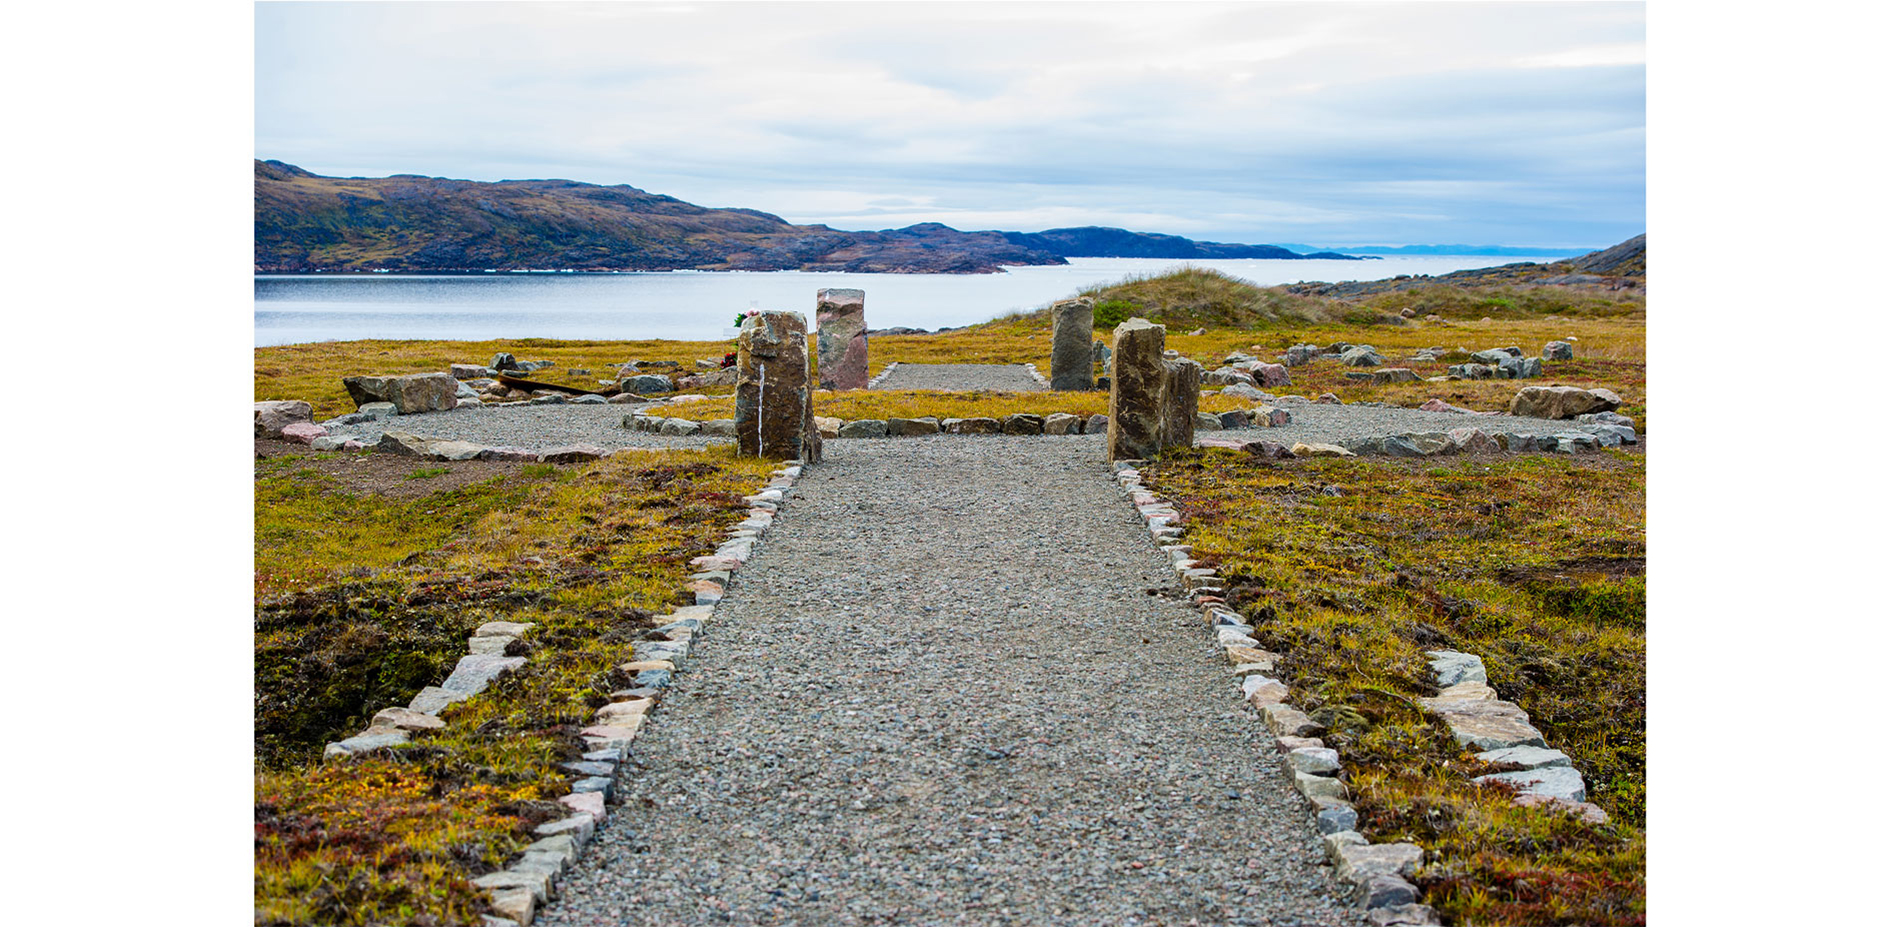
883	375
516	891
1376	872
1478	718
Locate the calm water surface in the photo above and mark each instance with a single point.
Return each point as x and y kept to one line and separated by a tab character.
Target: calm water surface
700	306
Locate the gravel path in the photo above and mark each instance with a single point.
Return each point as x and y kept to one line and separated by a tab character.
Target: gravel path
552	426
1012	378
533	427
1324	423
939	694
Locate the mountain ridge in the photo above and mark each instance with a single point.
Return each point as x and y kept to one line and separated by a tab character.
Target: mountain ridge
305	222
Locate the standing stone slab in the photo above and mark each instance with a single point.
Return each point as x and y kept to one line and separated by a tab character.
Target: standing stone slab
1137	386
1071	358
844	346
772	414
1181	402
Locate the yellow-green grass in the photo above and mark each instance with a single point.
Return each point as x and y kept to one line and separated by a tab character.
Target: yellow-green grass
365	600
314	371
1536	564
1609	353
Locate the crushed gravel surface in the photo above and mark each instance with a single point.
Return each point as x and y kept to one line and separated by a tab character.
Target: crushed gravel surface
1325	423
955	684
532	427
1011	378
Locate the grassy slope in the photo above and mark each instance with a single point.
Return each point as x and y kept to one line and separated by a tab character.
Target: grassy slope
363	600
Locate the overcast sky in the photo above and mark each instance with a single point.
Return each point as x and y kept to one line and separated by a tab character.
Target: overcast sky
1323	123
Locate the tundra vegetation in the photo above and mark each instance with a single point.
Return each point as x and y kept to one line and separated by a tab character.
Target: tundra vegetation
365	597
1351	567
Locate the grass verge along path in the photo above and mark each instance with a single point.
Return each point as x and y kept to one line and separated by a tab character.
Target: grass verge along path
367	593
1355	568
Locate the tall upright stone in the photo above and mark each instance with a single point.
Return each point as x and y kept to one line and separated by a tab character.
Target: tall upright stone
1180	401
1137	382
1071	360
772	414
844	346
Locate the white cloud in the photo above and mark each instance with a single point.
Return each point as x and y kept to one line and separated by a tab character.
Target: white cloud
1155	112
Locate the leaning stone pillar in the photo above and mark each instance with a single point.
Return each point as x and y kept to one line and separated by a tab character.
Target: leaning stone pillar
844	348
1180	402
1137	381
772	415
1071	362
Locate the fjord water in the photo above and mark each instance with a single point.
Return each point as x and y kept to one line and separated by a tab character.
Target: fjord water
290	309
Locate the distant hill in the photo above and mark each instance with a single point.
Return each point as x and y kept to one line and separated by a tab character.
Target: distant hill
1621	266
1510	250
305	222
1096	241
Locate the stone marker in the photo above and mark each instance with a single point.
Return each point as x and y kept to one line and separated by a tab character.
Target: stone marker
1071	359
1181	403
772	415
844	347
1137	387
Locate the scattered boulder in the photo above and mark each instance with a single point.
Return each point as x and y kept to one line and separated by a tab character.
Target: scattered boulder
1247	392
972	426
1362	356
1022	423
1471	371
268	419
679	427
468	371
1062	423
1226	376
1098	424
571	453
827	425
1558	350
303	432
1440	405
864	428
1271	417
1521	368
1496	356
1271	375
504	361
646	383
1302	449
403	444
416	392
1300	355
1555	402
910	427
1385	375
